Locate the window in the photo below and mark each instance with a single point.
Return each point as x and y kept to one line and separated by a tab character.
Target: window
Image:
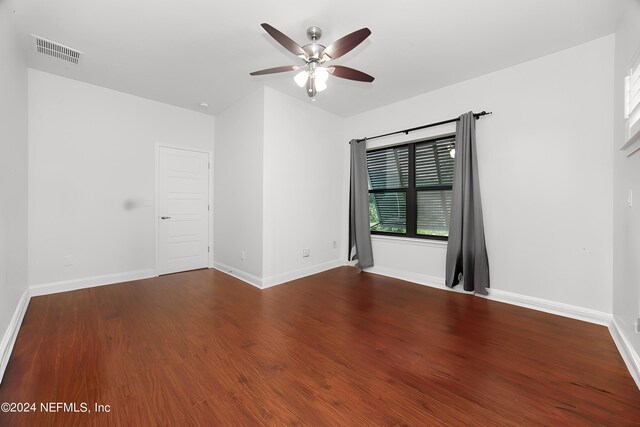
632	100
410	188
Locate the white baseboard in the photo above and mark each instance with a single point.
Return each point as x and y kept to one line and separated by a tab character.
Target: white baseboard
239	274
628	353
303	272
90	282
9	339
279	279
420	279
548	306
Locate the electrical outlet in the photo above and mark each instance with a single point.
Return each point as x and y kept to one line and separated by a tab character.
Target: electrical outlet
242	255
637	325
335	244
305	252
67	260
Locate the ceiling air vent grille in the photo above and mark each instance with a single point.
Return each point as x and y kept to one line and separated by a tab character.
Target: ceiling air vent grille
56	50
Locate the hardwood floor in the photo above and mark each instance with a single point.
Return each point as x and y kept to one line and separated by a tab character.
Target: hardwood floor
337	348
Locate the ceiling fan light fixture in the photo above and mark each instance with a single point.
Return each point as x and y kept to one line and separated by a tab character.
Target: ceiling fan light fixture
321	85
301	78
321	74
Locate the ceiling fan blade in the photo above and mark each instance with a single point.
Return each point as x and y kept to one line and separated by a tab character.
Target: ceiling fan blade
285	41
347	43
274	70
350	74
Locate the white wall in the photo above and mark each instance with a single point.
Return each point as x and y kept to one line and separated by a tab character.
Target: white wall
303	174
238	187
279	163
13	176
92	176
626	176
545	169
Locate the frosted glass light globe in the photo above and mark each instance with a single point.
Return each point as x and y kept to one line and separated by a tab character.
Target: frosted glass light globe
301	78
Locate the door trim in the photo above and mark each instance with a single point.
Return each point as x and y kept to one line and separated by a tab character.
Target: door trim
157	200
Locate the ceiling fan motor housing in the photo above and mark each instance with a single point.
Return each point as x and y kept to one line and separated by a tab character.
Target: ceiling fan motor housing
314	52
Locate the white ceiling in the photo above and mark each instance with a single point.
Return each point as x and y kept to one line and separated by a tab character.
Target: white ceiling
192	51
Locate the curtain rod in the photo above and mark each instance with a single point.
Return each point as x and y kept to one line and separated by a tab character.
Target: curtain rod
406	131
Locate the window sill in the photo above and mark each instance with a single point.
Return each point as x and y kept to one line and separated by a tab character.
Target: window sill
442	244
632	145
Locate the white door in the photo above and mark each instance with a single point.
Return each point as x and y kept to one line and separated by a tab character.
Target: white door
183	207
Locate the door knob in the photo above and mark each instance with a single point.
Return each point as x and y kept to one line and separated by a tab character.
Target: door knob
165	217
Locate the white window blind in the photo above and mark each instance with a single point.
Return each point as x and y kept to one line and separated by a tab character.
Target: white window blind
632	100
410	188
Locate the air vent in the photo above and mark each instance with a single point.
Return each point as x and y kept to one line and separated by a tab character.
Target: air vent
56	50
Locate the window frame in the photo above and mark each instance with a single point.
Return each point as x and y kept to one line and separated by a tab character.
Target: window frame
632	106
411	191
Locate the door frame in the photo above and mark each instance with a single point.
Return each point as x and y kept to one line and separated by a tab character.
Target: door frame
209	154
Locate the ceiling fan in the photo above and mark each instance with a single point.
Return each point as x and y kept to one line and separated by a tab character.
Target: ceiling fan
314	74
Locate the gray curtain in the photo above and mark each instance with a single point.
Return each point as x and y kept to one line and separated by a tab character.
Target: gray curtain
359	231
466	250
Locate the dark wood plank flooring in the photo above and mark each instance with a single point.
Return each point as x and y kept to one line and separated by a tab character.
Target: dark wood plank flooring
337	349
